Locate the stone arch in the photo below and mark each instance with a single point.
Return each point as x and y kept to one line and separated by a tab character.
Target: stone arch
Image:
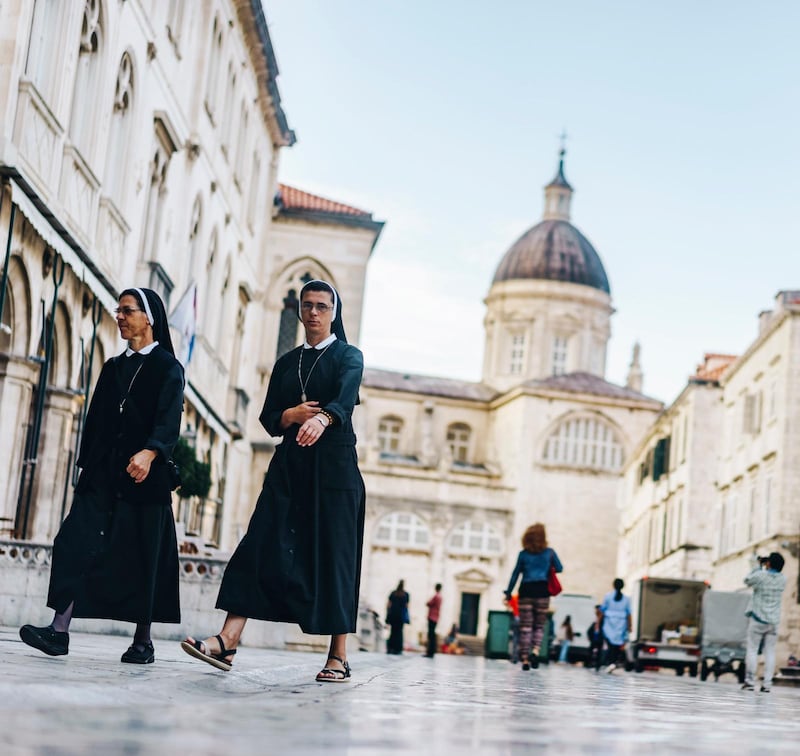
16	315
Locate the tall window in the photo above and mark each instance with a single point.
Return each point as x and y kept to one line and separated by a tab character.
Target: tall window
175	22
458	440
227	115
751	519
213	73
121	119
560	355
517	362
42	64
7	320
84	110
767	505
252	200
474	538
194	235
401	529
584	442
389	432
241	148
157	192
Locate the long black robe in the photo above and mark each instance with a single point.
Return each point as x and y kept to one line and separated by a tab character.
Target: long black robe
300	560
116	555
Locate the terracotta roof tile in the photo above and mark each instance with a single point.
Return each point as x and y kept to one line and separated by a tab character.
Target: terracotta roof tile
291	198
713	366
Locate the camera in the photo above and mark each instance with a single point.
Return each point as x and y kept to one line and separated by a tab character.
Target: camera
763	560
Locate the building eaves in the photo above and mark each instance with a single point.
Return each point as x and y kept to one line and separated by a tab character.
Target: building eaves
390	380
251	16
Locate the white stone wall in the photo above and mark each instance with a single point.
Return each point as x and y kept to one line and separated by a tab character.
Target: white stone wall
738	475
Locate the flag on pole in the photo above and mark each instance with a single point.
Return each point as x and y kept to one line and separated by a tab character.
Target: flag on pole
184	320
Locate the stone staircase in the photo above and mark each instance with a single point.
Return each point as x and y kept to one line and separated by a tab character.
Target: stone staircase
473	644
788	676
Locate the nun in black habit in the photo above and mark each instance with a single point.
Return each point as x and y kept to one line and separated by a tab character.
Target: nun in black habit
116	555
300	560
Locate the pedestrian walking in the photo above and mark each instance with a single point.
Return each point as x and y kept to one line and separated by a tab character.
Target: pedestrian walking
565	636
595	635
616	611
397	617
116	554
434	607
764	610
533	565
300	560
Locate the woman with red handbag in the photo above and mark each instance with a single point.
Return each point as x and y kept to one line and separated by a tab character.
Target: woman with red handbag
537	563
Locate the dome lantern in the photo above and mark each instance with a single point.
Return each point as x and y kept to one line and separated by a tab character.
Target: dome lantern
558	194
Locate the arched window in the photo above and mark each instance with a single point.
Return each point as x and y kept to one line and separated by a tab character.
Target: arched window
121	118
402	529
389	431
287	330
475	538
584	442
84	111
458	440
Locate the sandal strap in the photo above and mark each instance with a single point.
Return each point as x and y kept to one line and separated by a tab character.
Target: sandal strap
223	652
338	659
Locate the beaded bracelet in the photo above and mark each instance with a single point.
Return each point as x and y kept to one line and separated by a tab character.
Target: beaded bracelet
328	415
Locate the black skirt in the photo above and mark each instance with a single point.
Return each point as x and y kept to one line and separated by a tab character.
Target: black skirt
116	560
300	560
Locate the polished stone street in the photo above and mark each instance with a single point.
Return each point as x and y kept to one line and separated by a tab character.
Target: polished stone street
90	703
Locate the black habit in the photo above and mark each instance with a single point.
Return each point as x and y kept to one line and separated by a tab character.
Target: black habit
300	560
116	555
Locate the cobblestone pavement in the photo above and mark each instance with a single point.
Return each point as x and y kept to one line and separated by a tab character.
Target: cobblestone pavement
90	703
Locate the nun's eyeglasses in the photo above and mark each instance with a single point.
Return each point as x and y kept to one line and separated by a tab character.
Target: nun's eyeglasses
320	307
126	311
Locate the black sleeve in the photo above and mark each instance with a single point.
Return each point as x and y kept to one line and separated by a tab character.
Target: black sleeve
165	432
348	382
94	415
272	410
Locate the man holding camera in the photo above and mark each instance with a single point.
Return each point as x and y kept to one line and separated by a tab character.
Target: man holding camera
764	612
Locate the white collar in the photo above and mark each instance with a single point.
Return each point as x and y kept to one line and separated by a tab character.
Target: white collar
322	344
144	350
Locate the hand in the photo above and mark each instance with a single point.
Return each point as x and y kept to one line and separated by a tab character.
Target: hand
299	414
139	465
310	432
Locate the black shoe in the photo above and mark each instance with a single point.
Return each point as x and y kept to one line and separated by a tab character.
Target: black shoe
45	639
534	662
139	653
765	689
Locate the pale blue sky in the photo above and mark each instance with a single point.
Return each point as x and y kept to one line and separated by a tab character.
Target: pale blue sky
442	119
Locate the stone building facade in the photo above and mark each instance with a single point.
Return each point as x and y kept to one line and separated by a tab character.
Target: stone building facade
138	143
455	471
714	480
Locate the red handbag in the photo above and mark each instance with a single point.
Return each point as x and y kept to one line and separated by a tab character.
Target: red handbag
553	583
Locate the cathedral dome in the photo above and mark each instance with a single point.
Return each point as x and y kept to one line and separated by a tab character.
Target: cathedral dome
553	250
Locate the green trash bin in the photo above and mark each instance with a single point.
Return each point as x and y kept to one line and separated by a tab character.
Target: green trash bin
547	639
498	634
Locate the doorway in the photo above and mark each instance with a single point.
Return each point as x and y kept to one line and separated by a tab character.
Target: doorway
468	619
